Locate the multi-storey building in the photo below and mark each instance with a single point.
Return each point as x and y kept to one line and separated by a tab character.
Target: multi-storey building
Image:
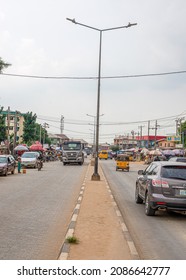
14	125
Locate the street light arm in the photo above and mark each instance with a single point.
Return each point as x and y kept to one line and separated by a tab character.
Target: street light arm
74	21
119	27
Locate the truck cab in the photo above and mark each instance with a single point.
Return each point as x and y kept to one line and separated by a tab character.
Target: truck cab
72	152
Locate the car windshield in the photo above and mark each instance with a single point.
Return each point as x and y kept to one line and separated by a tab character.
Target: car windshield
3	159
29	155
71	146
174	172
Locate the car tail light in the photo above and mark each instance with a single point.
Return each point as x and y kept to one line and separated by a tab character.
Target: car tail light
160	202
160	183
156	183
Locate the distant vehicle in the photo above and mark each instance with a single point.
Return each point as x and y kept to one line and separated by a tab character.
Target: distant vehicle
85	153
88	150
29	159
7	164
122	162
103	154
162	185
178	159
72	152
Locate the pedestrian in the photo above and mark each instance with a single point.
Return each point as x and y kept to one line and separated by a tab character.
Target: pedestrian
19	164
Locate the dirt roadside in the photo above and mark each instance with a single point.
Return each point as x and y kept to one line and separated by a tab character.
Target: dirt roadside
99	228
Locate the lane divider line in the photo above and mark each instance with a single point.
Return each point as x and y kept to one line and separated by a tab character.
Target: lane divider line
65	249
127	236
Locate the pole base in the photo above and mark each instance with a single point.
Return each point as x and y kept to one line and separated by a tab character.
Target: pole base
95	177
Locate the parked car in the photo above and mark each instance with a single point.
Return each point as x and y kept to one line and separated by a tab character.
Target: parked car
29	159
7	164
178	159
162	185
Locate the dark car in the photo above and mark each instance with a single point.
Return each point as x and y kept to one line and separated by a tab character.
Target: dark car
162	185
178	159
7	164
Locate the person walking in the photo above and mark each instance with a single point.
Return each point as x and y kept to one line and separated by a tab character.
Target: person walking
19	164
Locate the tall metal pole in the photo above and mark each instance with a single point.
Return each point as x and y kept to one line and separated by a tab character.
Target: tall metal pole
95	175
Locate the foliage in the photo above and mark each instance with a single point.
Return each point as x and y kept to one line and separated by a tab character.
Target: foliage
183	129
72	240
29	128
114	148
41	134
3	65
2	126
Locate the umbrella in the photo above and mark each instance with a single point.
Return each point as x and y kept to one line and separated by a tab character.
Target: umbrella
36	147
178	152
169	152
144	151
21	148
155	153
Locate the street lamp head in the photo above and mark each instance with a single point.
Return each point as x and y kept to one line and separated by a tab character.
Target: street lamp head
130	24
72	20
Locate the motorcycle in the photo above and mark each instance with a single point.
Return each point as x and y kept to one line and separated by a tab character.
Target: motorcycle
39	165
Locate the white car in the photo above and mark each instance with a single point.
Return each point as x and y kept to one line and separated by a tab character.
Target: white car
29	159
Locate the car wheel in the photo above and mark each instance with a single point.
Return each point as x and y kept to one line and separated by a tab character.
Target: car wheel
149	211
138	199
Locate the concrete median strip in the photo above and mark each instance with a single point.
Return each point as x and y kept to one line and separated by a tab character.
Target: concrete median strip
93	222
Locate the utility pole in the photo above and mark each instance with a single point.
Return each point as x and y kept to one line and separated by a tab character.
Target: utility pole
15	129
8	125
148	134
178	124
141	133
62	124
45	125
156	127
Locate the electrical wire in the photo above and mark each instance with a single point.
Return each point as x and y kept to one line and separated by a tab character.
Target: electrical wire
94	78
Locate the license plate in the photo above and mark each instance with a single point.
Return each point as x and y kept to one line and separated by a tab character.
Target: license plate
182	192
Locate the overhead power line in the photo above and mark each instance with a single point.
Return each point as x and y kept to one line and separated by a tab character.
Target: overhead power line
93	78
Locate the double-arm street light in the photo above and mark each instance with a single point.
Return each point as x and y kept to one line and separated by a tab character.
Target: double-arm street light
96	175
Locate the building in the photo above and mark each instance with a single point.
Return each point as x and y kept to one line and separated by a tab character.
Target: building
125	142
170	142
14	125
57	139
149	141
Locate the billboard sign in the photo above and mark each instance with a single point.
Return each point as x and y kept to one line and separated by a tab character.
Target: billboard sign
174	138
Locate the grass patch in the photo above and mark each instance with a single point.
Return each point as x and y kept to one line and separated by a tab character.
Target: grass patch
72	240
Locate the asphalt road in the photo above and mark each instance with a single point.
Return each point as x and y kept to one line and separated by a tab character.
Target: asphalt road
35	210
161	237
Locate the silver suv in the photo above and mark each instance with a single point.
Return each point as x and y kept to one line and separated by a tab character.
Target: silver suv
162	185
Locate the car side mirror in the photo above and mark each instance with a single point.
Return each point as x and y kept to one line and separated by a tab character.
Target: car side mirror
140	172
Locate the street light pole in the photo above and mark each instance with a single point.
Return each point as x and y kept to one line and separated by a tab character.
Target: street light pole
96	176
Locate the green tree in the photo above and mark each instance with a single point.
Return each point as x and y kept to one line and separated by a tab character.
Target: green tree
183	129
2	126
42	134
3	65
29	128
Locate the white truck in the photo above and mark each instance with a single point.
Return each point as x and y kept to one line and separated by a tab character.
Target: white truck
72	152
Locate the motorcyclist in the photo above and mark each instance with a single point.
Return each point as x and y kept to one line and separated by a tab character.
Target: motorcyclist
40	159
